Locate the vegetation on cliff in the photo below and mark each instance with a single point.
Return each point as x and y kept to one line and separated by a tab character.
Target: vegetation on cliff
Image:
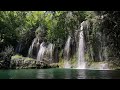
19	28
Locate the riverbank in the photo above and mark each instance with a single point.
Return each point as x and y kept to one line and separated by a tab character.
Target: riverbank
20	62
103	65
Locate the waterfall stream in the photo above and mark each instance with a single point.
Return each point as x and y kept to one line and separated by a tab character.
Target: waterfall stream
41	52
46	50
50	49
81	59
67	53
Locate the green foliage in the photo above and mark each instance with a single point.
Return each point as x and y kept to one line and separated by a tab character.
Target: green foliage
21	27
64	23
112	31
17	26
90	15
73	61
7	53
16	57
5	56
14	25
28	59
61	63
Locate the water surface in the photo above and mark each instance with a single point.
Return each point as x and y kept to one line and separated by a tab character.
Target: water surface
59	74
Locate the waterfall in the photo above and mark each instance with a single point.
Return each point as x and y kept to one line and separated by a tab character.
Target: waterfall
35	43
81	60
67	49
102	50
88	48
41	52
67	53
45	52
19	48
105	49
30	51
50	49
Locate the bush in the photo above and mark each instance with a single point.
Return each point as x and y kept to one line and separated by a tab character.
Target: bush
5	57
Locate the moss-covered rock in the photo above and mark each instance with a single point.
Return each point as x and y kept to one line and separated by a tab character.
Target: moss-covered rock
17	57
61	63
54	65
103	65
20	62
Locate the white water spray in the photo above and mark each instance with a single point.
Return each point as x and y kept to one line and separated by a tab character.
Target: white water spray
41	52
50	49
81	59
67	53
35	43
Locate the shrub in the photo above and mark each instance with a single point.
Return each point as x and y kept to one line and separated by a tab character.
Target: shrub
5	56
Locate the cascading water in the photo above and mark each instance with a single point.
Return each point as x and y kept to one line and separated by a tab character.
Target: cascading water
19	47
41	52
104	55
105	49
46	51
50	49
81	59
67	53
102	50
35	43
30	51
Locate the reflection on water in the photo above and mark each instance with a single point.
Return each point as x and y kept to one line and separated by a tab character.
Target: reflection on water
40	73
67	74
81	75
44	74
59	74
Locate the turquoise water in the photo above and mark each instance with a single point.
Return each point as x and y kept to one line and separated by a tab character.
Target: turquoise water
59	74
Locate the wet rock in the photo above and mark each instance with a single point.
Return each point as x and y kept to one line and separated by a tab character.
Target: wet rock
19	62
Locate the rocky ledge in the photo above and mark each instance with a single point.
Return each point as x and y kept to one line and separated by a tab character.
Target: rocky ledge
19	62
